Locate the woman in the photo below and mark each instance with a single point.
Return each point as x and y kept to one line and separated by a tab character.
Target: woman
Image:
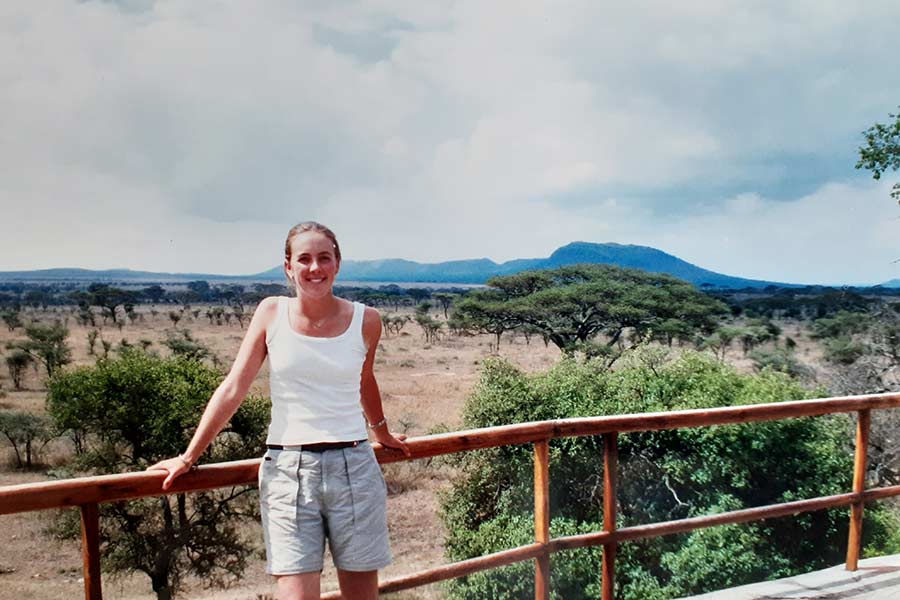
319	478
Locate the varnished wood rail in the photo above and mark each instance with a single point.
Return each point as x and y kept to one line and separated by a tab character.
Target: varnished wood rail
86	493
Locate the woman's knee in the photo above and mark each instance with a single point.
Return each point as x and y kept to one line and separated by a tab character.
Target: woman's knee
302	586
359	585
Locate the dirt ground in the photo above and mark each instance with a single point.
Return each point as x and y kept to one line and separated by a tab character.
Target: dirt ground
423	386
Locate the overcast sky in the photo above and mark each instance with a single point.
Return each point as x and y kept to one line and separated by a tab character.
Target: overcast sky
189	135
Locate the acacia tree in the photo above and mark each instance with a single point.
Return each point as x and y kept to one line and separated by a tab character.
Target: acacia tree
154	293
882	150
47	344
27	433
132	411
17	362
109	299
11	319
484	311
573	305
445	300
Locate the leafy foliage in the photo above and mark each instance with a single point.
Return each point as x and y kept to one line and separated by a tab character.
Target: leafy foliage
782	360
18	362
131	411
183	344
108	299
27	433
843	350
574	304
663	475
47	344
11	319
844	323
882	150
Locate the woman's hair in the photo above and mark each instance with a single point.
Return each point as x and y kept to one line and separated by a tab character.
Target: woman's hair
311	226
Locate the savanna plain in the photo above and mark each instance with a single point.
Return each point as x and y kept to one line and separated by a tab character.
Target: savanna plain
424	386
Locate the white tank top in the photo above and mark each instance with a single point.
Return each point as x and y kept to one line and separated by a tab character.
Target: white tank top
315	382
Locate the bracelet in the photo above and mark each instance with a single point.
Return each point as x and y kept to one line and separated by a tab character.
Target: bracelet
378	424
185	461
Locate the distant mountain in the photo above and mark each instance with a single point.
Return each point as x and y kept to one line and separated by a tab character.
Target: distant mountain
480	270
893	283
106	275
476	271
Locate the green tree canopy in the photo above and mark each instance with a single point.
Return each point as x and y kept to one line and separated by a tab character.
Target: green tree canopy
47	344
109	298
27	433
132	411
574	304
663	475
881	152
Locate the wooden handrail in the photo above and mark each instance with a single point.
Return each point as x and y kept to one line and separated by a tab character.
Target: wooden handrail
87	492
110	488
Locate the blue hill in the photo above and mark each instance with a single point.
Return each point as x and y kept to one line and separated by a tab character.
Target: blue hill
480	270
476	271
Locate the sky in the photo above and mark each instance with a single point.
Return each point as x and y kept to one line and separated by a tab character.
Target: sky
189	135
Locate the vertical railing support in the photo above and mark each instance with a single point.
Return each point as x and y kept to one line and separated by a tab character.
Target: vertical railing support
863	424
610	479
90	551
542	518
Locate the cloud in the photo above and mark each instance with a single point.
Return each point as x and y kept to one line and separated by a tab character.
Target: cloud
843	233
433	131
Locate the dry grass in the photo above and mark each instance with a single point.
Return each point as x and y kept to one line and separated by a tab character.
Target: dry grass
422	388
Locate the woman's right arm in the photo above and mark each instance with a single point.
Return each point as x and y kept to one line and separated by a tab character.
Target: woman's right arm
228	396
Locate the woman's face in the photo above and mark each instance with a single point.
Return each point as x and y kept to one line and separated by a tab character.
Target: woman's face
312	266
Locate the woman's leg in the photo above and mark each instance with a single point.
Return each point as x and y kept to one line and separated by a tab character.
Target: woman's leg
304	586
358	585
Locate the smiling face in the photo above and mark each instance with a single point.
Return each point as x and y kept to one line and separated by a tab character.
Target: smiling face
312	264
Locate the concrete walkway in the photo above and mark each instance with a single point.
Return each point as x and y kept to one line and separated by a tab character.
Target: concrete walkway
876	579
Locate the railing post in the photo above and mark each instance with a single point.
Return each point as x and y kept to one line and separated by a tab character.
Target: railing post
610	479
90	551
863	425
542	518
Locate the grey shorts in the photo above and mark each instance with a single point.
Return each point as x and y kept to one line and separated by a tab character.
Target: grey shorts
308	497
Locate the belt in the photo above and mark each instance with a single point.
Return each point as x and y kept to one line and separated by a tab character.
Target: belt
320	447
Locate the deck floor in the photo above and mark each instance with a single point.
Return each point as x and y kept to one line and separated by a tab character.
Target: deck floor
876	579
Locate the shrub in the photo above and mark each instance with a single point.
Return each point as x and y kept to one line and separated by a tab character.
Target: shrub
779	360
27	433
131	411
663	475
843	350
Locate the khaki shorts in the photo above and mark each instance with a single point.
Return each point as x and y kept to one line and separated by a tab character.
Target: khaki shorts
308	497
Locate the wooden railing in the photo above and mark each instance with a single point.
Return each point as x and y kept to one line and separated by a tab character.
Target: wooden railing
87	493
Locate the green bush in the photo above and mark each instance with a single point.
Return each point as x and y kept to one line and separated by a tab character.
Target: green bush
27	434
843	350
781	360
128	412
663	475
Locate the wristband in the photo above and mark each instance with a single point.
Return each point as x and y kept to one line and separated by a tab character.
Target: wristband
185	461
376	425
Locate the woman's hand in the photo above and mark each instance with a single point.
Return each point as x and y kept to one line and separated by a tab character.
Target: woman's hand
389	440
174	467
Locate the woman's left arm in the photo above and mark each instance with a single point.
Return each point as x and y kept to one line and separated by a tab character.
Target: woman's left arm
370	396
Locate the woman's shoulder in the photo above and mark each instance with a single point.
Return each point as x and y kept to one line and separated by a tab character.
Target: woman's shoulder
371	325
267	309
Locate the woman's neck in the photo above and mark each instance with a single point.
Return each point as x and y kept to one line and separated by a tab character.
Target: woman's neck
318	308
